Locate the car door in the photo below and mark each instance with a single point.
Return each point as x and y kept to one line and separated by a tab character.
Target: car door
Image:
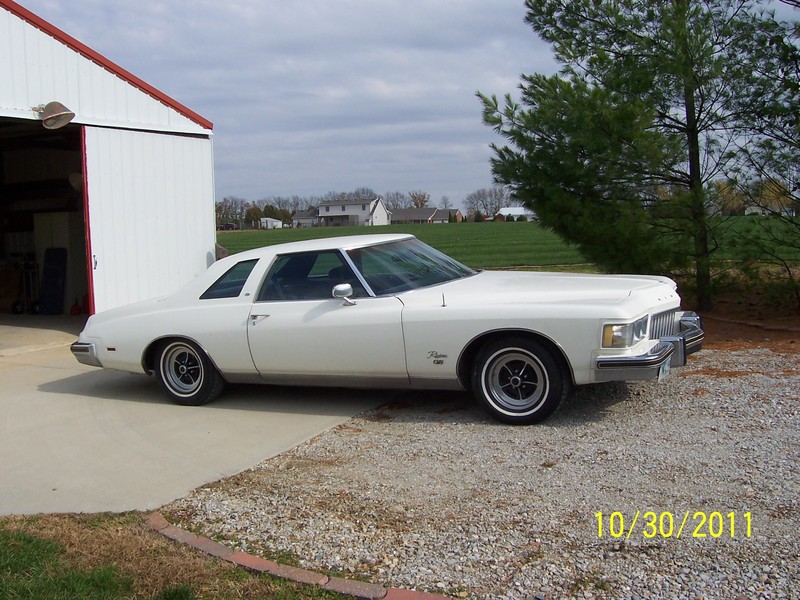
218	319
298	333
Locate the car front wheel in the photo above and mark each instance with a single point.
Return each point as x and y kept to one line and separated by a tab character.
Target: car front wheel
518	380
186	374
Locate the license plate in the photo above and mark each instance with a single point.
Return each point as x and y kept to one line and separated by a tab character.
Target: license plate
663	371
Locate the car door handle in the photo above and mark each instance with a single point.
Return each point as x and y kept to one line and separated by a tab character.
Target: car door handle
256	318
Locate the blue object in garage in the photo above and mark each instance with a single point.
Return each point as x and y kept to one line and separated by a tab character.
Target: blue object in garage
54	279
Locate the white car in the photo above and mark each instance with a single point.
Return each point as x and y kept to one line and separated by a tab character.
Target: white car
387	311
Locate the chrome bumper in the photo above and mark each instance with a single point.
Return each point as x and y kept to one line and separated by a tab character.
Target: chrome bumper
688	341
670	351
85	353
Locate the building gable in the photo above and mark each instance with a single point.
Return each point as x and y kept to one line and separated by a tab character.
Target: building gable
40	63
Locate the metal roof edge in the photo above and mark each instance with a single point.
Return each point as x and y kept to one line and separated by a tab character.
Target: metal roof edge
85	51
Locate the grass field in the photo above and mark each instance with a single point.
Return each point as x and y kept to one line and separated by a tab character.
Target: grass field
478	245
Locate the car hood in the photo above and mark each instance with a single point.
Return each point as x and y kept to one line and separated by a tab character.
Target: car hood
503	287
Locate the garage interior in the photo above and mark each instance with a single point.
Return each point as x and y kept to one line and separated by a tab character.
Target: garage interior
41	209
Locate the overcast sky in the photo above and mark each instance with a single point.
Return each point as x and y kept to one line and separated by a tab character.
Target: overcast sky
317	96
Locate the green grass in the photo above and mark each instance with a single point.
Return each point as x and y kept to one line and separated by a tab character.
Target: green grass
509	245
34	568
757	237
478	245
107	556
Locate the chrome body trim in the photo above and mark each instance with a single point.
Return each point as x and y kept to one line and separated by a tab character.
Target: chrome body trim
85	353
634	368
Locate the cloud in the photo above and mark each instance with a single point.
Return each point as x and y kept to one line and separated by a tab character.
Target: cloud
318	96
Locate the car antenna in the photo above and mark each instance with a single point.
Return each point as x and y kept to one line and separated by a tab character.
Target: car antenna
444	302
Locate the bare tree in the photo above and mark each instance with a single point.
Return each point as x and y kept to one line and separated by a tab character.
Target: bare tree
362	193
396	200
231	210
487	201
419	199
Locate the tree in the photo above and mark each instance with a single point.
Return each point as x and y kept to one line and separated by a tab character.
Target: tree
487	201
274	212
362	193
445	203
396	200
231	210
253	215
645	102
290	204
769	144
768	149
419	199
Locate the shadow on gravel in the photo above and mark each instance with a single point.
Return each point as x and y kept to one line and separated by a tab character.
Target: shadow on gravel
590	403
584	404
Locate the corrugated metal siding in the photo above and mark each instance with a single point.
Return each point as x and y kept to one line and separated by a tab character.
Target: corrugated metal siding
35	68
151	213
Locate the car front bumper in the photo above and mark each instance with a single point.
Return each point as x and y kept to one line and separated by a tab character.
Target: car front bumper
85	353
670	351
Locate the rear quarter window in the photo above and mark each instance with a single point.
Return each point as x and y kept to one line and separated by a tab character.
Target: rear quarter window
231	283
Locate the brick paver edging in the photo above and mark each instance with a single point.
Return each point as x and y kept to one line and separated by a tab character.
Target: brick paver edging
357	589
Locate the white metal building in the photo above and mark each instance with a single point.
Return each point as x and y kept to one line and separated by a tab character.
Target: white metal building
270	223
125	183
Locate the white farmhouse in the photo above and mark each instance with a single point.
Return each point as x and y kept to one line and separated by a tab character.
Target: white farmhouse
338	213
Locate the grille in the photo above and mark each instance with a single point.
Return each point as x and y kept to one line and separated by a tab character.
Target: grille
663	324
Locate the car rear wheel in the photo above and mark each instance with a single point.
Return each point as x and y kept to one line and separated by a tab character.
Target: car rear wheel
186	374
518	380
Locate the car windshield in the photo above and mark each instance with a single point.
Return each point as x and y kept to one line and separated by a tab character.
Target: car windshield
405	265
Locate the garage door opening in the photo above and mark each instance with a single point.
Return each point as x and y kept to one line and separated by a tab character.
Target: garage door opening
43	266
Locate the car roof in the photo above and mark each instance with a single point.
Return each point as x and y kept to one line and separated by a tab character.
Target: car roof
331	243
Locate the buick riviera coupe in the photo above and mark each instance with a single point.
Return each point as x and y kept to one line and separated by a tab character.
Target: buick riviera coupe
387	311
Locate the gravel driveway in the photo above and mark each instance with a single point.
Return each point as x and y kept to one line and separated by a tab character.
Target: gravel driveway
428	493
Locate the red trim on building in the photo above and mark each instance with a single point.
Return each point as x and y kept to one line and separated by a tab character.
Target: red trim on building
87	230
85	51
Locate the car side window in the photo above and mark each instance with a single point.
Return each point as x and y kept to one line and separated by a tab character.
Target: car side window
231	283
308	276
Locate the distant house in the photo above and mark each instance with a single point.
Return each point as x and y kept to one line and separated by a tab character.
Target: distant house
756	210
515	211
763	211
306	218
338	213
403	216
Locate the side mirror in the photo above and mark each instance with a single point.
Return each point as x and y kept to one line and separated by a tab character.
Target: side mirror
344	291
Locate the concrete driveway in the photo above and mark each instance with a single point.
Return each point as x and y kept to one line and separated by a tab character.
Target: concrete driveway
79	439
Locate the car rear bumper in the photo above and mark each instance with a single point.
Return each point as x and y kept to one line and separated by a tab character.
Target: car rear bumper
85	353
670	351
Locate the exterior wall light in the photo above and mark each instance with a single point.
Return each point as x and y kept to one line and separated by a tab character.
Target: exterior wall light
54	115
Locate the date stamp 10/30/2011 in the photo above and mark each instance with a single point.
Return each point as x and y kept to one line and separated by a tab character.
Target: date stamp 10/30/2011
695	524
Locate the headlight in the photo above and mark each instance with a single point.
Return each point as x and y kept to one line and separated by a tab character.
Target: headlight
624	335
